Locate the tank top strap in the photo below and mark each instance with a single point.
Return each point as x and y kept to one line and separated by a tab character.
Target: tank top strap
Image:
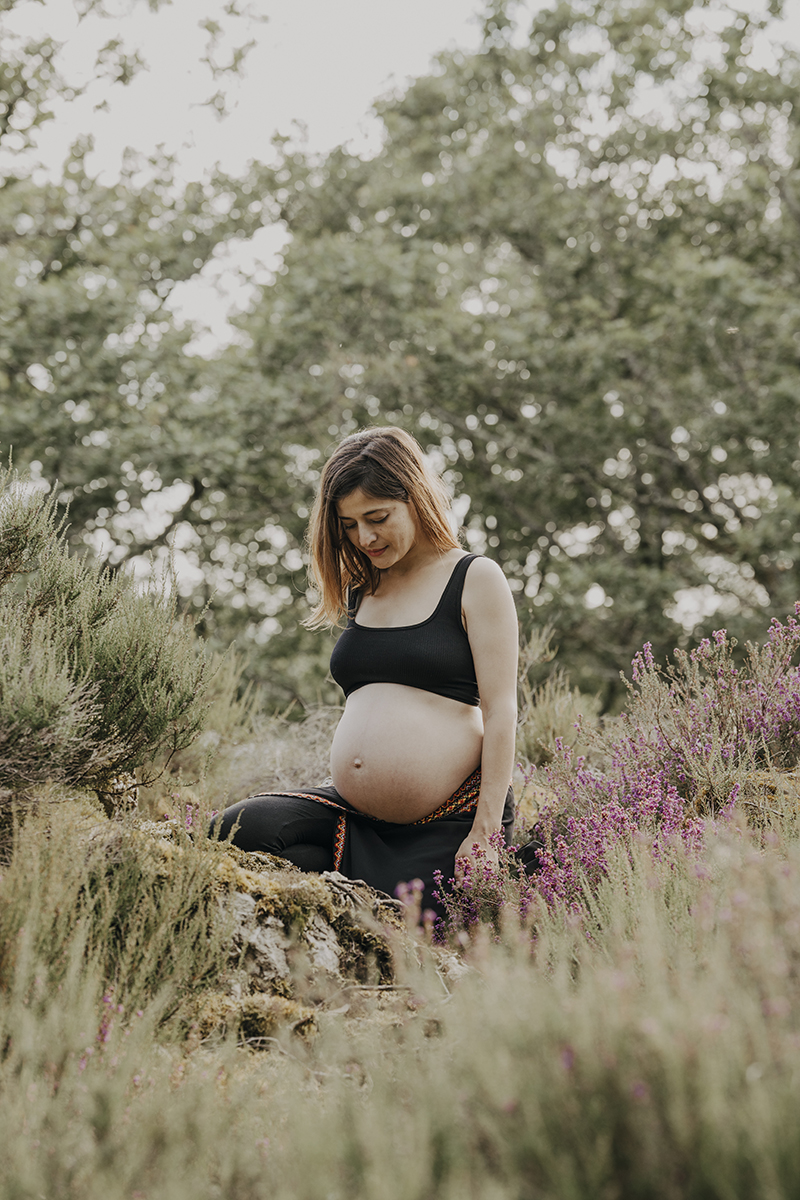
450	603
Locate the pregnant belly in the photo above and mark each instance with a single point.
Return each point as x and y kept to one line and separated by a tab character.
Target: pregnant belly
398	752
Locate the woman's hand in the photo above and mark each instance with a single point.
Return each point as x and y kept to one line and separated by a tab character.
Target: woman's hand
466	853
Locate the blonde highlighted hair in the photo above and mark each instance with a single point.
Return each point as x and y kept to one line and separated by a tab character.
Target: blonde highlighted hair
385	463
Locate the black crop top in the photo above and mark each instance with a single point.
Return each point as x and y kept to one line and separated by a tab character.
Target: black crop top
434	655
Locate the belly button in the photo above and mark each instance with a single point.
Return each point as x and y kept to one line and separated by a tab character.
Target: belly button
356	762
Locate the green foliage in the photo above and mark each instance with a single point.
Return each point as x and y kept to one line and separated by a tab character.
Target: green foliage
46	715
26	529
95	678
658	1058
93	365
571	270
93	372
552	711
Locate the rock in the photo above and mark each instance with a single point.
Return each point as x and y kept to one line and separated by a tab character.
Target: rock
323	945
257	1019
298	941
286	921
299	944
261	946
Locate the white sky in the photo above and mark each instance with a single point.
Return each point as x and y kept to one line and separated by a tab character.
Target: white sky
318	62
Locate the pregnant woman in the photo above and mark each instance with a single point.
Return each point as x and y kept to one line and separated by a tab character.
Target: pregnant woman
422	757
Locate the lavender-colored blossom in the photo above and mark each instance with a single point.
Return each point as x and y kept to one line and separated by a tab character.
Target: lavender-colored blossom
692	736
485	893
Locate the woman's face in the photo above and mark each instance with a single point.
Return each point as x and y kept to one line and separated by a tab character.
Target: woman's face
385	530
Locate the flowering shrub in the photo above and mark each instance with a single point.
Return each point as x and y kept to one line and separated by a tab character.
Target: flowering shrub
698	736
632	801
710	724
486	893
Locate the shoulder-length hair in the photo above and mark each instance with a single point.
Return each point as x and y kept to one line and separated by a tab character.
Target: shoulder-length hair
388	464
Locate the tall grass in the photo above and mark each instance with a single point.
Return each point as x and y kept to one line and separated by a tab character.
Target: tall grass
647	1047
144	918
636	1034
551	712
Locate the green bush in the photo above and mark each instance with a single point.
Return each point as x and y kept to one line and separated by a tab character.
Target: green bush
96	678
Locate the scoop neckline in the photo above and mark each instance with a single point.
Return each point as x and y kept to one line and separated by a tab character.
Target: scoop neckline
417	624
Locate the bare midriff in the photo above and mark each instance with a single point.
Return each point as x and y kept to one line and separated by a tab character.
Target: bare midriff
399	752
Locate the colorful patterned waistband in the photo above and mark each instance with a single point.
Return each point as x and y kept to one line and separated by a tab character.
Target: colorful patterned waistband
463	800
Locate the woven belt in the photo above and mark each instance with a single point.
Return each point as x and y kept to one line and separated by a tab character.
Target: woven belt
463	800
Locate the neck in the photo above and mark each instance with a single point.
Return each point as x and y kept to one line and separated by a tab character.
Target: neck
422	555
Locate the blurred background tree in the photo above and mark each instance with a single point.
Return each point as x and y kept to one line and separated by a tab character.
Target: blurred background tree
571	271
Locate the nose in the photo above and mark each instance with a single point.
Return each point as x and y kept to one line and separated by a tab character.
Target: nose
366	535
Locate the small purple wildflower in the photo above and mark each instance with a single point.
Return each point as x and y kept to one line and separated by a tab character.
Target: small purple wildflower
410	895
485	893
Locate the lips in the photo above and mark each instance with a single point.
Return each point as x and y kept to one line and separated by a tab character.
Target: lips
375	553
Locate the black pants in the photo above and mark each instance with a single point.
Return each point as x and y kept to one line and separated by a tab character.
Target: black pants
382	853
292	827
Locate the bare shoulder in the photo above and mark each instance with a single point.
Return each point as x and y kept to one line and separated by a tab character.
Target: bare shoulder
485	583
485	573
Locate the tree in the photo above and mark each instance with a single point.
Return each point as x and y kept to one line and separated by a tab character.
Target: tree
92	365
96	387
572	271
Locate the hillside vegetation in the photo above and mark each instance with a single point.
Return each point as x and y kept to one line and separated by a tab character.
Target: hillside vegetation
178	1019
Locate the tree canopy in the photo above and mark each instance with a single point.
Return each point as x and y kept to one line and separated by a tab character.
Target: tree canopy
571	271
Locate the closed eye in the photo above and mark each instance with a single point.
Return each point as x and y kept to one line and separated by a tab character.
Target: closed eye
374	521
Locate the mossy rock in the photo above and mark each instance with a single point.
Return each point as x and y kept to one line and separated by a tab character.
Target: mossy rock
255	1019
296	938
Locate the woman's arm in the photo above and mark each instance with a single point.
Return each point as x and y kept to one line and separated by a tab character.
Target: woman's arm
491	622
